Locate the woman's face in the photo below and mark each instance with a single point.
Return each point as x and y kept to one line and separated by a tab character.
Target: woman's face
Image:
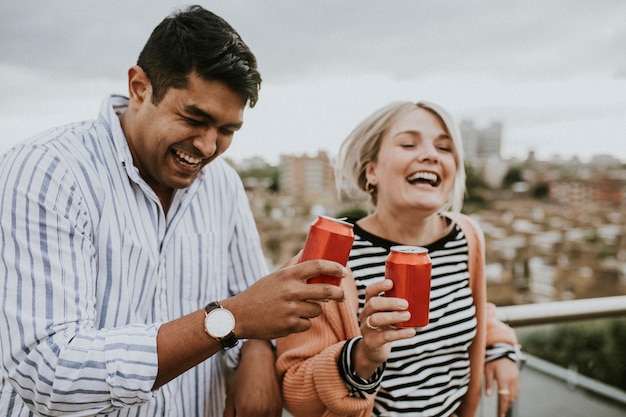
415	166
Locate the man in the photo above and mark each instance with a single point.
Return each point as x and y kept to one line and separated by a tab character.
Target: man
115	233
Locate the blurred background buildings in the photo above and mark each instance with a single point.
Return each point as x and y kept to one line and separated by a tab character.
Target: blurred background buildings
555	230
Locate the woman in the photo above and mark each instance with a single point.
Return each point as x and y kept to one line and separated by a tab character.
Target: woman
408	157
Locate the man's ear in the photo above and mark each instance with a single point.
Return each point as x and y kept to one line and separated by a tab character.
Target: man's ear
139	86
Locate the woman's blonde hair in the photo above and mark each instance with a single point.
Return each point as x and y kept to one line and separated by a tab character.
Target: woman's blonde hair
363	144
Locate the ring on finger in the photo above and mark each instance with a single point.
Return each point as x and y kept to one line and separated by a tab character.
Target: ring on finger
369	324
504	391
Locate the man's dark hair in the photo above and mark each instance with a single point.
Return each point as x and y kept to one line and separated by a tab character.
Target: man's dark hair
197	40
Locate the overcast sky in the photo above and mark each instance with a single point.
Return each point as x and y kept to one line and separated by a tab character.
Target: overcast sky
552	71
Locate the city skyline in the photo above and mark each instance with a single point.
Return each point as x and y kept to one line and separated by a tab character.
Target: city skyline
553	73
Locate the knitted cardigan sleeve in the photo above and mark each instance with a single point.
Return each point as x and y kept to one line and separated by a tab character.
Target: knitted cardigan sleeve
476	266
307	362
489	330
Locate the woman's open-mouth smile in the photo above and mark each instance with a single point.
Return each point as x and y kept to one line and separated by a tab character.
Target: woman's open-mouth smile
424	177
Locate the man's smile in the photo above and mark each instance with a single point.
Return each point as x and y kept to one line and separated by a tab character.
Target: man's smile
187	159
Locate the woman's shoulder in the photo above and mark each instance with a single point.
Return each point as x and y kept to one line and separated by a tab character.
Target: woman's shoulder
462	220
470	227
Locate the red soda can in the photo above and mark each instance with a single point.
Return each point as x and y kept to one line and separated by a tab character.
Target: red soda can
330	239
410	267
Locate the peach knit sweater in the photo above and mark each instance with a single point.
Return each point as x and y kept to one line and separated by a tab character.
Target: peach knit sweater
307	362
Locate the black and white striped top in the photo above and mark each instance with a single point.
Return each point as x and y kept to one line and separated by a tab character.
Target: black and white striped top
428	374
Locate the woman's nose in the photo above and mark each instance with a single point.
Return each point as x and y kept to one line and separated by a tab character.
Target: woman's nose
428	152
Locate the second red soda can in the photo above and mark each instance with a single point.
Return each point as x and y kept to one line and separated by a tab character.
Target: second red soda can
330	239
410	267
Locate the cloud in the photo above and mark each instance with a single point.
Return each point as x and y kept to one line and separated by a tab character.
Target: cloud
405	38
328	63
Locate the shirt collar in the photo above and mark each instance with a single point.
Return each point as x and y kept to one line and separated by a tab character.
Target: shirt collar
111	108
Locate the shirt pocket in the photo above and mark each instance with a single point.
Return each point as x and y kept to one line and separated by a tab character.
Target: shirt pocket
200	267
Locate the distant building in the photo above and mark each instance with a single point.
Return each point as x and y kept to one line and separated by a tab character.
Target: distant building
605	160
310	179
494	169
596	190
469	136
490	141
481	144
572	192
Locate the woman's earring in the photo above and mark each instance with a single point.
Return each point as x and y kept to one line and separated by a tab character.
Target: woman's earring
370	188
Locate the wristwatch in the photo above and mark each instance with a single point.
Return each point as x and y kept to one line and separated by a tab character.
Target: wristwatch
219	323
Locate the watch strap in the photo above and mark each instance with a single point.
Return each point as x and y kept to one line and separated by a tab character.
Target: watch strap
212	306
230	340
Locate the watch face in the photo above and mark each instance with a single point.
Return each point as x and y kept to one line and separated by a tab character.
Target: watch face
219	322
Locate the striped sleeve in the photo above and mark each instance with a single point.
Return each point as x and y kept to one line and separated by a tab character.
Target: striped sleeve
502	350
358	386
52	352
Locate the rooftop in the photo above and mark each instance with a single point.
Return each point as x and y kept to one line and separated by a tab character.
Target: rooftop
547	390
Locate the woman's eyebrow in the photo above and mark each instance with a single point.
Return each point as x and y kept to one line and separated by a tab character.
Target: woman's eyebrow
417	132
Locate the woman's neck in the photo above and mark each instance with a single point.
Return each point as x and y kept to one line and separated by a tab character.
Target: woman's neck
406	228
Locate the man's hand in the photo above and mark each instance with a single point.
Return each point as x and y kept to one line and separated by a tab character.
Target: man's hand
283	302
277	305
254	389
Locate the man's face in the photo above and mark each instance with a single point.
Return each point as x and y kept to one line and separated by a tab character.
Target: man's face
172	141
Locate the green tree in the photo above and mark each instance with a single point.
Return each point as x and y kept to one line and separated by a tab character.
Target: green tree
595	348
476	189
541	190
353	212
269	172
513	175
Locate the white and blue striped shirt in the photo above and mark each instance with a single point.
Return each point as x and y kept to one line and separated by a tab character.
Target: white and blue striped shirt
90	267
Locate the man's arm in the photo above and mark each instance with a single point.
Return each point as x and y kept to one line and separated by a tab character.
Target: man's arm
275	306
254	389
52	349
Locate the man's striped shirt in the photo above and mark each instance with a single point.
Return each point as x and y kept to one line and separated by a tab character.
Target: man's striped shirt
90	266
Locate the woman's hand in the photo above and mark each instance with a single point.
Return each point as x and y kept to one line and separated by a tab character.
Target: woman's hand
377	317
505	373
